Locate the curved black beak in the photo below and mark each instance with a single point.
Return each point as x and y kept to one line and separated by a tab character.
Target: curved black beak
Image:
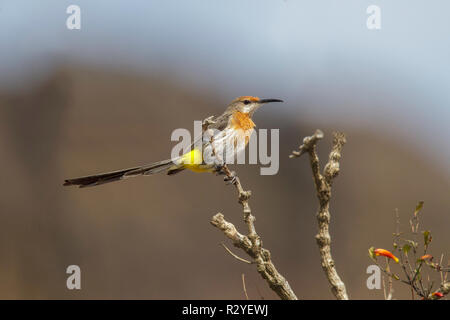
270	100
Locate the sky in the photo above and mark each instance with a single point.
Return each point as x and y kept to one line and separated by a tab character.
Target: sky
317	55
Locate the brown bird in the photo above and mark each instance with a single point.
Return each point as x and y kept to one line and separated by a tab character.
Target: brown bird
227	136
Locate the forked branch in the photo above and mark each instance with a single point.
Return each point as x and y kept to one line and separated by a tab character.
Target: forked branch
323	182
251	243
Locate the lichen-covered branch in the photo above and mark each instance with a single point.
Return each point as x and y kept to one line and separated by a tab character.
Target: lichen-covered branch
251	243
323	182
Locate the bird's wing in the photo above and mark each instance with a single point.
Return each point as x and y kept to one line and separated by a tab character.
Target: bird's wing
220	122
217	123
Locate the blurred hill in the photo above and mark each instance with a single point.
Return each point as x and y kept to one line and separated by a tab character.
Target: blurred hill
150	237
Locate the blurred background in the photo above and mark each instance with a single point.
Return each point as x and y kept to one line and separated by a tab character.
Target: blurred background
108	96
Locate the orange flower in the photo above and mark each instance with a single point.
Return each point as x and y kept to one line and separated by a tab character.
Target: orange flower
426	257
385	253
437	294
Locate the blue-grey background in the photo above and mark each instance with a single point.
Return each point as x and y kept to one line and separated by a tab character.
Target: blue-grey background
319	53
319	56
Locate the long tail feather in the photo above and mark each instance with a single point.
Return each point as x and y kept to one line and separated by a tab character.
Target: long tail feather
98	179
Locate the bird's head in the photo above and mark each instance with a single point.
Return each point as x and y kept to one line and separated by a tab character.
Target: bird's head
248	104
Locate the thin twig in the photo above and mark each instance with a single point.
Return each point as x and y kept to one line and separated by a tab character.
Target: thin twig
413	272
390	292
235	256
243	286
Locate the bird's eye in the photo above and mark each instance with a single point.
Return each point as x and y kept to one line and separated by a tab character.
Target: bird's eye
246	101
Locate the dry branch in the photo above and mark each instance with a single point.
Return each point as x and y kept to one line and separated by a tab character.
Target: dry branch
323	182
251	243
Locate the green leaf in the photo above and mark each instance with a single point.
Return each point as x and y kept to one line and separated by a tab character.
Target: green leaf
427	237
418	208
372	253
406	248
413	244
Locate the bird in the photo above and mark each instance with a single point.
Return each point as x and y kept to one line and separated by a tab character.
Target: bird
227	136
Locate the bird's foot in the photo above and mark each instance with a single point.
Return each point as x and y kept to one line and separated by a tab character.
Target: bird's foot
219	169
230	178
222	169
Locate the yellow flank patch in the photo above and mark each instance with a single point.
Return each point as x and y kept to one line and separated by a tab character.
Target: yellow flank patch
200	168
193	160
193	157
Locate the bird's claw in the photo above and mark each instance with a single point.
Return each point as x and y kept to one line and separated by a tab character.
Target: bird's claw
218	169
230	176
230	179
